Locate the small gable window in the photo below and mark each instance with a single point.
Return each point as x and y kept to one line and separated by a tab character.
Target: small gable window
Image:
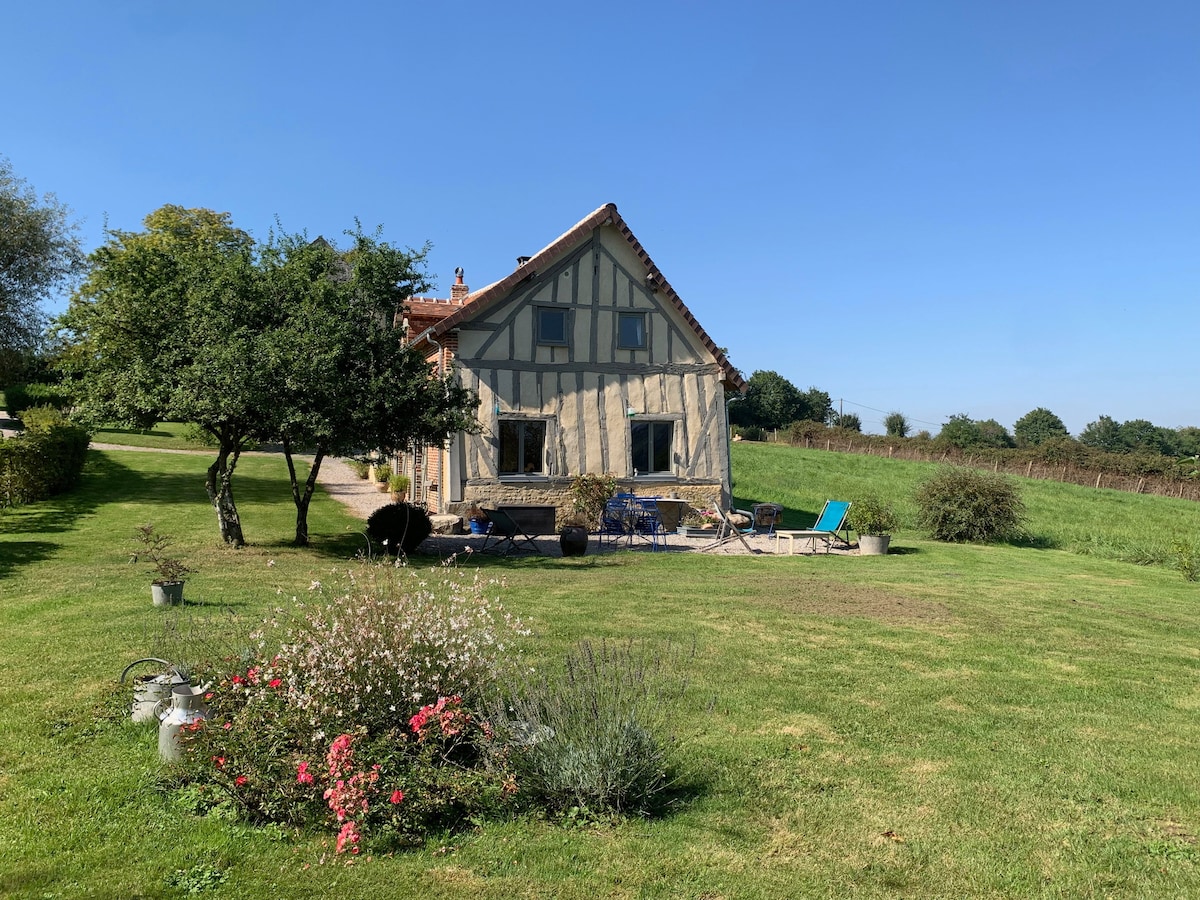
551	325
631	331
651	443
522	446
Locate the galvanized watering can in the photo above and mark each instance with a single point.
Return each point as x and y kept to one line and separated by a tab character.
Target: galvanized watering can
149	690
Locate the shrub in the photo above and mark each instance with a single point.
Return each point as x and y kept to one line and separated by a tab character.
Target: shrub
399	527
398	484
389	641
363	714
751	433
588	741
960	504
589	493
20	397
41	462
358	467
871	515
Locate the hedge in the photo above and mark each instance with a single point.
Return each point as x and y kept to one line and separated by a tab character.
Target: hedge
38	464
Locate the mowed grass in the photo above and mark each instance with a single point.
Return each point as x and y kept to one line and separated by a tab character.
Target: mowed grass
1106	523
948	721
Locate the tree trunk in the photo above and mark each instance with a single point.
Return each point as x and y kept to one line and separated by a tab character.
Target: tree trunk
219	485
302	500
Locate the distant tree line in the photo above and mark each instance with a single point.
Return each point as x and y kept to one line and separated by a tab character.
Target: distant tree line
772	403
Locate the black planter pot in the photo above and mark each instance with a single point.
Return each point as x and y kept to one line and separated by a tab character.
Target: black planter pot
573	540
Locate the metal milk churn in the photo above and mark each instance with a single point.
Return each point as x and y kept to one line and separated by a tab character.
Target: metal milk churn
148	690
187	707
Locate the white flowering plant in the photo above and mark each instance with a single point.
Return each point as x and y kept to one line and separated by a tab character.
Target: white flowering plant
369	657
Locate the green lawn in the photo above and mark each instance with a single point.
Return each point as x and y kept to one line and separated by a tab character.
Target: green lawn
947	721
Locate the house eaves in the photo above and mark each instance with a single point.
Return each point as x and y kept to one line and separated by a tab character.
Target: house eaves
480	301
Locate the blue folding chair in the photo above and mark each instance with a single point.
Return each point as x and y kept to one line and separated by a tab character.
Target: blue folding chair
828	525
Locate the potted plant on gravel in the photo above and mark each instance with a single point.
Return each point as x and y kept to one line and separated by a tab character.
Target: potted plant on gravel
167	588
398	485
874	520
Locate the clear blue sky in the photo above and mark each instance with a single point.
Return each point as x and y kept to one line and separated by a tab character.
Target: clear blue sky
931	207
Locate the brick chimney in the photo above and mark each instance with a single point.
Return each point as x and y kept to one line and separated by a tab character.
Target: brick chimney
458	290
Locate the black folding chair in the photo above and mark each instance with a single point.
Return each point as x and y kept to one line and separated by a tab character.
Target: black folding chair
507	532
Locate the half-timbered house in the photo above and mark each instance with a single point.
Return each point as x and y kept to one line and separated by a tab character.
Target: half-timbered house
585	361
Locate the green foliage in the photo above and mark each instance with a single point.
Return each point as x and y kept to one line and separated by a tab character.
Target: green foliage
152	546
43	461
383	663
20	397
196	879
965	433
751	432
847	421
896	425
1103	434
771	401
358	467
589	739
870	514
960	504
398	483
399	527
1037	427
1187	558
589	493
39	251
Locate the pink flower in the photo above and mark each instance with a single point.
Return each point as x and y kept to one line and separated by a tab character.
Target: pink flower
252	675
227	725
238	679
397	796
348	838
219	761
275	682
240	780
303	776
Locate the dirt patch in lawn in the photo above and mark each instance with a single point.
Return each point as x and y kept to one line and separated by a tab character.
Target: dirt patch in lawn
818	598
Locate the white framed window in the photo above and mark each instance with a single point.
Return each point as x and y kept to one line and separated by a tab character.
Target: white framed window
522	447
552	323
631	331
651	444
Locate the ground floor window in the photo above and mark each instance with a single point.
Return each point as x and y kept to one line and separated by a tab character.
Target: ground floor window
522	447
651	443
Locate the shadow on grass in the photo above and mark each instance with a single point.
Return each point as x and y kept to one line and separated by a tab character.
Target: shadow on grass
14	554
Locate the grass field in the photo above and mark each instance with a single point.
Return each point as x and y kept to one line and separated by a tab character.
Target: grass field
946	721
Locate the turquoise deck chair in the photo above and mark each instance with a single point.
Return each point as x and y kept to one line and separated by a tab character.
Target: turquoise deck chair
828	525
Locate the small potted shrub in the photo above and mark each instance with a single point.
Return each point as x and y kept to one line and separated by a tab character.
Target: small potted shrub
477	520
167	588
382	474
874	520
398	485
